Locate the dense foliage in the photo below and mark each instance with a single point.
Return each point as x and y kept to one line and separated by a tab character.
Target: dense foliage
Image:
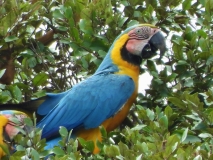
48	46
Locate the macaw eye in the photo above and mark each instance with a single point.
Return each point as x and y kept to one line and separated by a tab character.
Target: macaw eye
138	31
143	32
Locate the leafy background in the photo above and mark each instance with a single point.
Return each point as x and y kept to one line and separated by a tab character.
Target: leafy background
49	46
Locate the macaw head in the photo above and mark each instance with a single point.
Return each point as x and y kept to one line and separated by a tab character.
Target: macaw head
144	40
136	43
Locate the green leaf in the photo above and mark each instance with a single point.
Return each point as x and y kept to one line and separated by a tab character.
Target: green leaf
23	75
63	131
150	114
29	143
102	53
139	157
85	26
202	33
203	44
75	34
28	122
5	149
89	145
57	14
138	127
58	151
209	61
171	77
68	12
32	62
210	117
189	83
2	71
40	79
132	23
40	93
103	132
17	94
192	139
123	148
112	150
84	62
62	28
186	4
181	154
4	98
168	111
205	135
184	135
209	6
125	3
151	66
137	14
20	148
171	145
163	121
182	62
198	157
27	53
177	102
122	20
144	147
11	38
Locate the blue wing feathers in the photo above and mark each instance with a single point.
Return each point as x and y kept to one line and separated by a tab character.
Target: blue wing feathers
52	99
87	104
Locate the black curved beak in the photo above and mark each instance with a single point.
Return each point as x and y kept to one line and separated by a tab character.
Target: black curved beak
157	42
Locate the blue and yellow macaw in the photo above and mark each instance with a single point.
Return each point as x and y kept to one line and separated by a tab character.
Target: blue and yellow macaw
104	98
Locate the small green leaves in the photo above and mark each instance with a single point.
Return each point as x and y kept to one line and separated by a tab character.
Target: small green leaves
111	151
88	145
171	145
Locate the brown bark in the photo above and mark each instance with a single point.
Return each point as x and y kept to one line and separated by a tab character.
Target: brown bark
7	62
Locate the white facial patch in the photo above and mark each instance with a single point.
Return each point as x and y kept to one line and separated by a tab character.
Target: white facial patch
139	38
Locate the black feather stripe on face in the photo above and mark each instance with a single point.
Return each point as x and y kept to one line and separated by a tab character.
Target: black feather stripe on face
129	57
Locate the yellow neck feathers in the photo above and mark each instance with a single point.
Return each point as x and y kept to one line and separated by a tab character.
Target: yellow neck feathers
3	122
123	66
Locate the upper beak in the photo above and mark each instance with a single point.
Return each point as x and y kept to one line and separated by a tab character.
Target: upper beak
158	42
